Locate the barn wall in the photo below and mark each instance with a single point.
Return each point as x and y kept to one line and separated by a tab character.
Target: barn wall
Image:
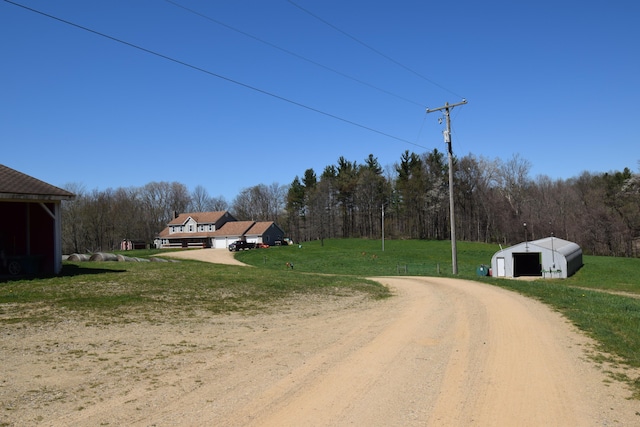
27	229
12	228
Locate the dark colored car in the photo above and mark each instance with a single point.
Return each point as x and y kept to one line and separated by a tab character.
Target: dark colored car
240	245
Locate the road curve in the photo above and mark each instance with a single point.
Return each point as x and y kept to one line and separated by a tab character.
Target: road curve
450	353
441	352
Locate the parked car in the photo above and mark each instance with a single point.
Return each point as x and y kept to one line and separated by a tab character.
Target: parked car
240	245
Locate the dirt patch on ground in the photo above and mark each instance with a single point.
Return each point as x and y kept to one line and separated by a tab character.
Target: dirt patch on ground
439	353
216	256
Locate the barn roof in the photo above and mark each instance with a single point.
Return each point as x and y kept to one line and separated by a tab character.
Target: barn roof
16	185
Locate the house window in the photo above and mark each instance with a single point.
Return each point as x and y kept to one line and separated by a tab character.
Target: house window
210	227
191	228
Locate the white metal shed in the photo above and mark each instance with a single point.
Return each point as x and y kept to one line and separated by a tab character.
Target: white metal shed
550	257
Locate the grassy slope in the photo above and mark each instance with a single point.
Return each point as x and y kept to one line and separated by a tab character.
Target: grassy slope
366	258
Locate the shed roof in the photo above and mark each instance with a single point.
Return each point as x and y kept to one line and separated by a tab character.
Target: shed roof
16	185
562	246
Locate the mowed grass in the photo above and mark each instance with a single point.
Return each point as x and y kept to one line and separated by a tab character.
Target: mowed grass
366	257
159	291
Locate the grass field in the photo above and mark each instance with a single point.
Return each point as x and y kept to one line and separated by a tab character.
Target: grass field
111	292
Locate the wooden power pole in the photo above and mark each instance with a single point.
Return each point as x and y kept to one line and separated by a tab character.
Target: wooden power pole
447	139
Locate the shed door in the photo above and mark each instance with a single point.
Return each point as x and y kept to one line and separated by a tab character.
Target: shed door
527	264
500	266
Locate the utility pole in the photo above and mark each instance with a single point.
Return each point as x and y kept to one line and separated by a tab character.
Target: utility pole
447	139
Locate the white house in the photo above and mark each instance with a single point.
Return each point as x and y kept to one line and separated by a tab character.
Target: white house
216	230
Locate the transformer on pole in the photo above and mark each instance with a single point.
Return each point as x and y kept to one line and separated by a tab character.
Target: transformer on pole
447	139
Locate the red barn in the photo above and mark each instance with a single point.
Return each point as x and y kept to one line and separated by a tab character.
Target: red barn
30	224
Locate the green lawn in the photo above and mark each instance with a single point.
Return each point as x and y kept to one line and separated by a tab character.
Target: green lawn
366	258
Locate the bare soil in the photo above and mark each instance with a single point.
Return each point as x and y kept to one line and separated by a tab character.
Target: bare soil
441	352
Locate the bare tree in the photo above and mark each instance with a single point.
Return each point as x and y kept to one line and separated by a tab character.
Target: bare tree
126	210
200	199
261	203
513	177
217	204
161	201
73	227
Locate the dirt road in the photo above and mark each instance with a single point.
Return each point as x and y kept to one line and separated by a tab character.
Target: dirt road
445	353
440	353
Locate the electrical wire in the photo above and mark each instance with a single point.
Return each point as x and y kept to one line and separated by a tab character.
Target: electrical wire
289	52
211	73
387	57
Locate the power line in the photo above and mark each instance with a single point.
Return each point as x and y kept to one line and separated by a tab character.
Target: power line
202	70
387	57
333	70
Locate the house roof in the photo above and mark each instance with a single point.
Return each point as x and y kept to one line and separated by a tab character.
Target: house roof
164	234
259	228
199	217
233	228
17	185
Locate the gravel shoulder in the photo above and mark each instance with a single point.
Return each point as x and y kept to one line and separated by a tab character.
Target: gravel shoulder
441	352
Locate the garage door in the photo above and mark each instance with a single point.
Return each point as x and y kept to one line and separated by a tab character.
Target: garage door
527	264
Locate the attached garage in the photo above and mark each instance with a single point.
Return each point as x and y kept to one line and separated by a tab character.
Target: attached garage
549	258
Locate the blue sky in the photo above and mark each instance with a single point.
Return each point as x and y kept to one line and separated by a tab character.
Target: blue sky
239	93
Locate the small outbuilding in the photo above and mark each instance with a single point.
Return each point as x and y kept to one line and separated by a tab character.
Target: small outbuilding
550	257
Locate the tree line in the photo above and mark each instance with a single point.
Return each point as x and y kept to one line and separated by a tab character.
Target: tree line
493	199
